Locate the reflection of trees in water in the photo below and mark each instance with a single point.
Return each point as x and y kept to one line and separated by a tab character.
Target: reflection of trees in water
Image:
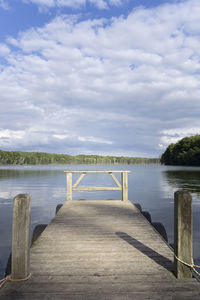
10	173
189	180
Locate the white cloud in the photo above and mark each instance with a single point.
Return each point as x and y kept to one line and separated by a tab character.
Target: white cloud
4	50
101	4
117	2
70	3
107	85
7	134
94	140
181	132
61	136
47	3
174	135
4	4
76	4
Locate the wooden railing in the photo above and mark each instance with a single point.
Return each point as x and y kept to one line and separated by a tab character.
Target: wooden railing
123	186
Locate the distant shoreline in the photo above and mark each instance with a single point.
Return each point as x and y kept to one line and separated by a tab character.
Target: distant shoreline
42	158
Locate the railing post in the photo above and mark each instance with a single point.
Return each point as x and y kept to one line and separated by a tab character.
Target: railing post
69	186
182	233
20	267
124	186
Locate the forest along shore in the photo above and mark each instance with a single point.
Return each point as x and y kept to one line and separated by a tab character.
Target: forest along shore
33	158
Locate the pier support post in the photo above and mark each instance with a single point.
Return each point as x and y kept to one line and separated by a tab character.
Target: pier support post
124	186
20	267
69	186
182	233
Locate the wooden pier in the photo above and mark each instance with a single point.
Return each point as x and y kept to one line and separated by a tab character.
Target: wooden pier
101	249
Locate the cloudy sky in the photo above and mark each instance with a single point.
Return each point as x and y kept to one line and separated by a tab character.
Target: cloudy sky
108	77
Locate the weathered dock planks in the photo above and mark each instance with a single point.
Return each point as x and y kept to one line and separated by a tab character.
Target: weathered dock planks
101	250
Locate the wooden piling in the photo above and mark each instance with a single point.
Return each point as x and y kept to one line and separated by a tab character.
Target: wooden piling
69	186
182	234
21	237
124	186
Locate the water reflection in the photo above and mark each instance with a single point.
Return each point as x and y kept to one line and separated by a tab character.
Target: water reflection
184	179
25	173
150	185
188	178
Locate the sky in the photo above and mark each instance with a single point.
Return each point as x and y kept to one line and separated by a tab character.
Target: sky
106	77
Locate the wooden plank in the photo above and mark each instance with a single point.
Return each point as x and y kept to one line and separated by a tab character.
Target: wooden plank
135	278
69	186
124	186
103	295
101	250
88	171
115	180
97	188
80	288
78	180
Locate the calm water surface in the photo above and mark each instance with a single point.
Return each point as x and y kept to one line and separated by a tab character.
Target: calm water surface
152	186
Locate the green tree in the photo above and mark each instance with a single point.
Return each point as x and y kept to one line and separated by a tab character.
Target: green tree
184	152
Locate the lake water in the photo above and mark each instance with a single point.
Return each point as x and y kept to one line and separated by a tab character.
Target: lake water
152	186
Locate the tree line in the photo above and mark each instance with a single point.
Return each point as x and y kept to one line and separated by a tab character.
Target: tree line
33	158
185	152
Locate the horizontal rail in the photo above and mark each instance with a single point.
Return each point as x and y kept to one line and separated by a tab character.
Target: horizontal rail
83	171
96	188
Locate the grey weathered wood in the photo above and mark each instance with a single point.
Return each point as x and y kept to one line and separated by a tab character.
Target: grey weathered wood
101	250
21	237
182	233
69	186
124	186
